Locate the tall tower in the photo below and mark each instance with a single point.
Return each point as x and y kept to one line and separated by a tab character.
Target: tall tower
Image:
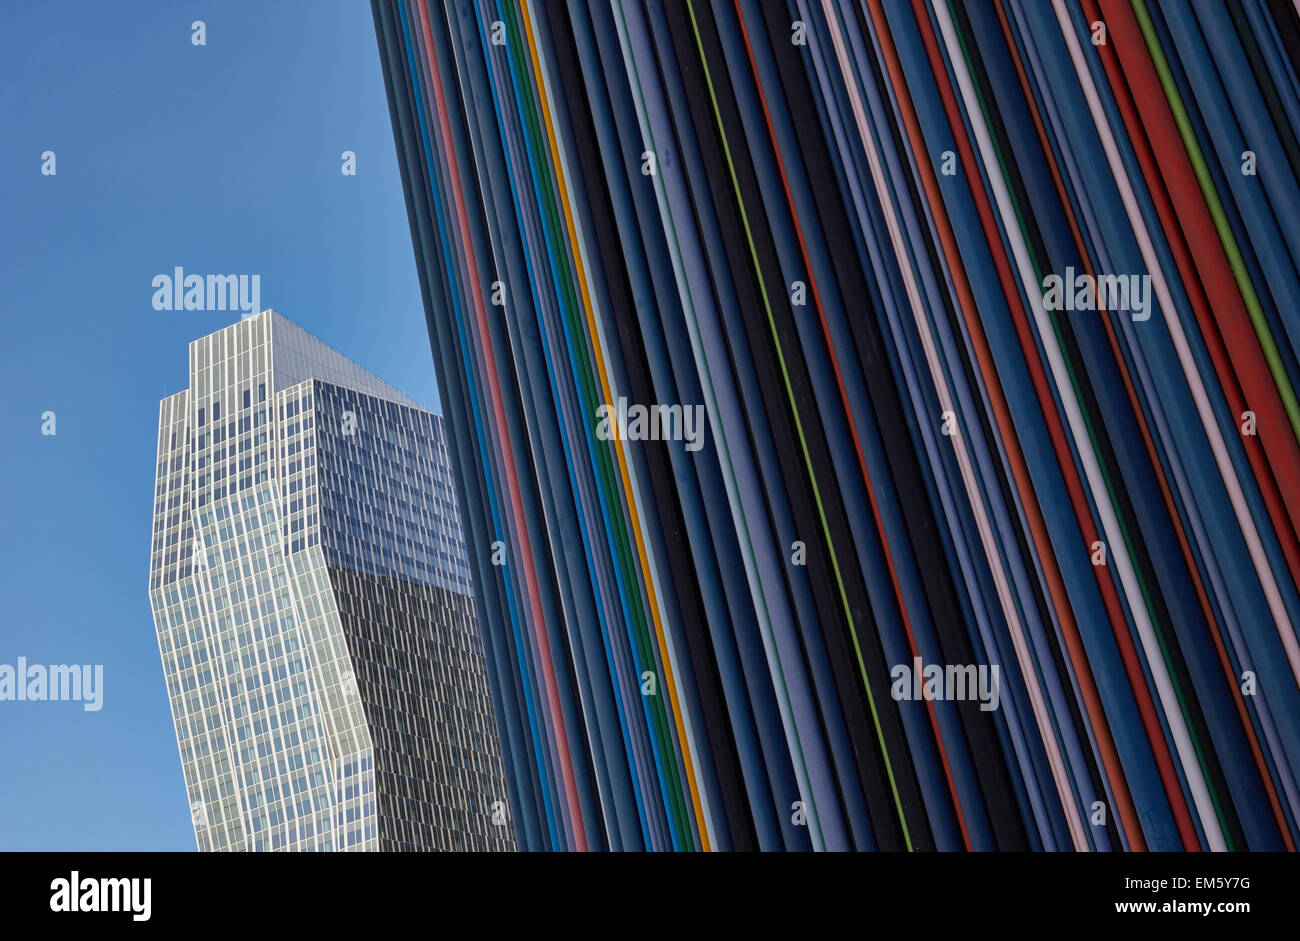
314	608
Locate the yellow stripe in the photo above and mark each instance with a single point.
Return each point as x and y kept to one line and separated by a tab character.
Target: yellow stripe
618	450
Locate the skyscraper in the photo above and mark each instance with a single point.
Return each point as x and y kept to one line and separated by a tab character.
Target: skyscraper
314	608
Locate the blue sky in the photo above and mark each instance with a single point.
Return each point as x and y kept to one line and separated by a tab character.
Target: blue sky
219	159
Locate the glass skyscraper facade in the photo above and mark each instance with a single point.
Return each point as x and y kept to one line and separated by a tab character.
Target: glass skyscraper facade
314	608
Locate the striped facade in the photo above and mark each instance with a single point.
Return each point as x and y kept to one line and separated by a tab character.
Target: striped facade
988	309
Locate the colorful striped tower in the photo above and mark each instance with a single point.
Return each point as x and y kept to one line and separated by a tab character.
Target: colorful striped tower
875	423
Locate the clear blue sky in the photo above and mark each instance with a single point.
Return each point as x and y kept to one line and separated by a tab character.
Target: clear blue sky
219	159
